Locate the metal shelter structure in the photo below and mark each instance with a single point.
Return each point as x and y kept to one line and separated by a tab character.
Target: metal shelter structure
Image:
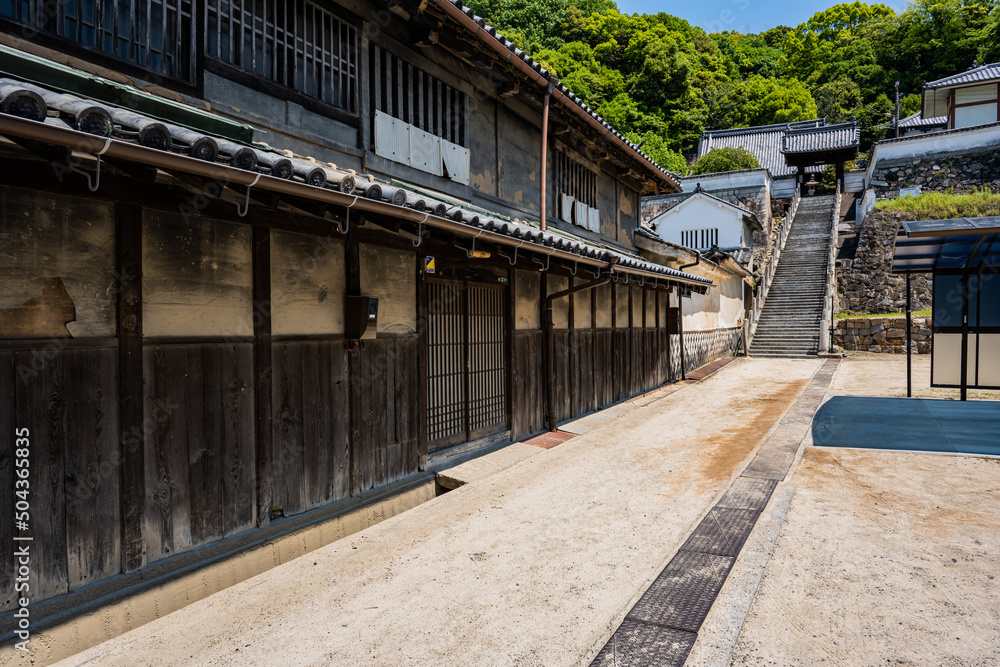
964	256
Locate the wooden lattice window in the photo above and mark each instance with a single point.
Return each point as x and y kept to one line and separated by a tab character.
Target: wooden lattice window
295	43
157	35
575	179
413	96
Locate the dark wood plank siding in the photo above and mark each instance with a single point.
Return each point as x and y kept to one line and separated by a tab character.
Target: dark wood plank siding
200	449
528	397
311	429
67	398
387	437
41	405
93	510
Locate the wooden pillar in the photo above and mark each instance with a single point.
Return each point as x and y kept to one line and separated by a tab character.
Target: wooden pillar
352	266
800	180
263	372
840	176
422	359
128	264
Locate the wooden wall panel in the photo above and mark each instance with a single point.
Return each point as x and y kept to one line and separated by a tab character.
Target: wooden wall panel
528	398
620	364
68	400
200	448
563	375
93	514
384	432
311	428
637	369
41	406
582	361
604	367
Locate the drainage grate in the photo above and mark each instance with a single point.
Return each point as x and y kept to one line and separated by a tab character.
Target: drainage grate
771	463
683	593
722	532
661	628
748	494
642	645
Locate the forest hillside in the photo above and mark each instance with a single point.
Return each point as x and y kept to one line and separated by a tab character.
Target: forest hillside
662	81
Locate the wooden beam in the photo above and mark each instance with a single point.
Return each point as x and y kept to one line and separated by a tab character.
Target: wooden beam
262	372
128	267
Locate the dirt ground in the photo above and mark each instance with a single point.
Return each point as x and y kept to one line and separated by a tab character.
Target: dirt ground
536	565
872	374
885	558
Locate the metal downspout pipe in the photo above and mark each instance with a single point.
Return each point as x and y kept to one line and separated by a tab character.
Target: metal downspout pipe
543	211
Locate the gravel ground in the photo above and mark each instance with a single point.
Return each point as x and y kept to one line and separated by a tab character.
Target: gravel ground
535	565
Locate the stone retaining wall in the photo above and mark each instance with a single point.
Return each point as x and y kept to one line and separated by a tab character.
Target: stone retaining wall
866	284
962	171
882	334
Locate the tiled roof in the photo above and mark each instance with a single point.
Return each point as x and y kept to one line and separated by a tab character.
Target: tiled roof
71	112
826	138
487	29
764	141
917	120
938	133
974	75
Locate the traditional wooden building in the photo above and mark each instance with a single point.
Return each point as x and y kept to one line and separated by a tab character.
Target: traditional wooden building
256	263
968	99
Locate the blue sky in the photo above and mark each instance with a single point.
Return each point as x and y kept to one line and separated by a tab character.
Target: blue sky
741	15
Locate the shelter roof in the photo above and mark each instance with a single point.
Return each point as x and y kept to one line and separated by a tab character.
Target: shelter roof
929	245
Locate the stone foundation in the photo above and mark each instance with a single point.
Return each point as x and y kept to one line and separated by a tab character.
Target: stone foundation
882	334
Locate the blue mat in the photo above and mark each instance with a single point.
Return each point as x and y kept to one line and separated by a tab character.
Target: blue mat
969	427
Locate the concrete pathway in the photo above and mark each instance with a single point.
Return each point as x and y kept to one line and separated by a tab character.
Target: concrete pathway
536	564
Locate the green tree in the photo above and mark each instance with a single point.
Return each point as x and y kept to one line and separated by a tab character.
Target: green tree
658	148
765	101
720	160
839	101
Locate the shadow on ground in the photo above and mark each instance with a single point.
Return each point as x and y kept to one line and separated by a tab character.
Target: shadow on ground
928	425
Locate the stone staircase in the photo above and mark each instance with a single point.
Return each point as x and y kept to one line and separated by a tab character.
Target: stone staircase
790	320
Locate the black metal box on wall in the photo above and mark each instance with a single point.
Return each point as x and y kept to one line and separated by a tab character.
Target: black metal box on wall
361	317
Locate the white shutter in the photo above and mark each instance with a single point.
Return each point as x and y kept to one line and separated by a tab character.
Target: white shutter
565	207
595	220
425	151
392	138
580	217
455	159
